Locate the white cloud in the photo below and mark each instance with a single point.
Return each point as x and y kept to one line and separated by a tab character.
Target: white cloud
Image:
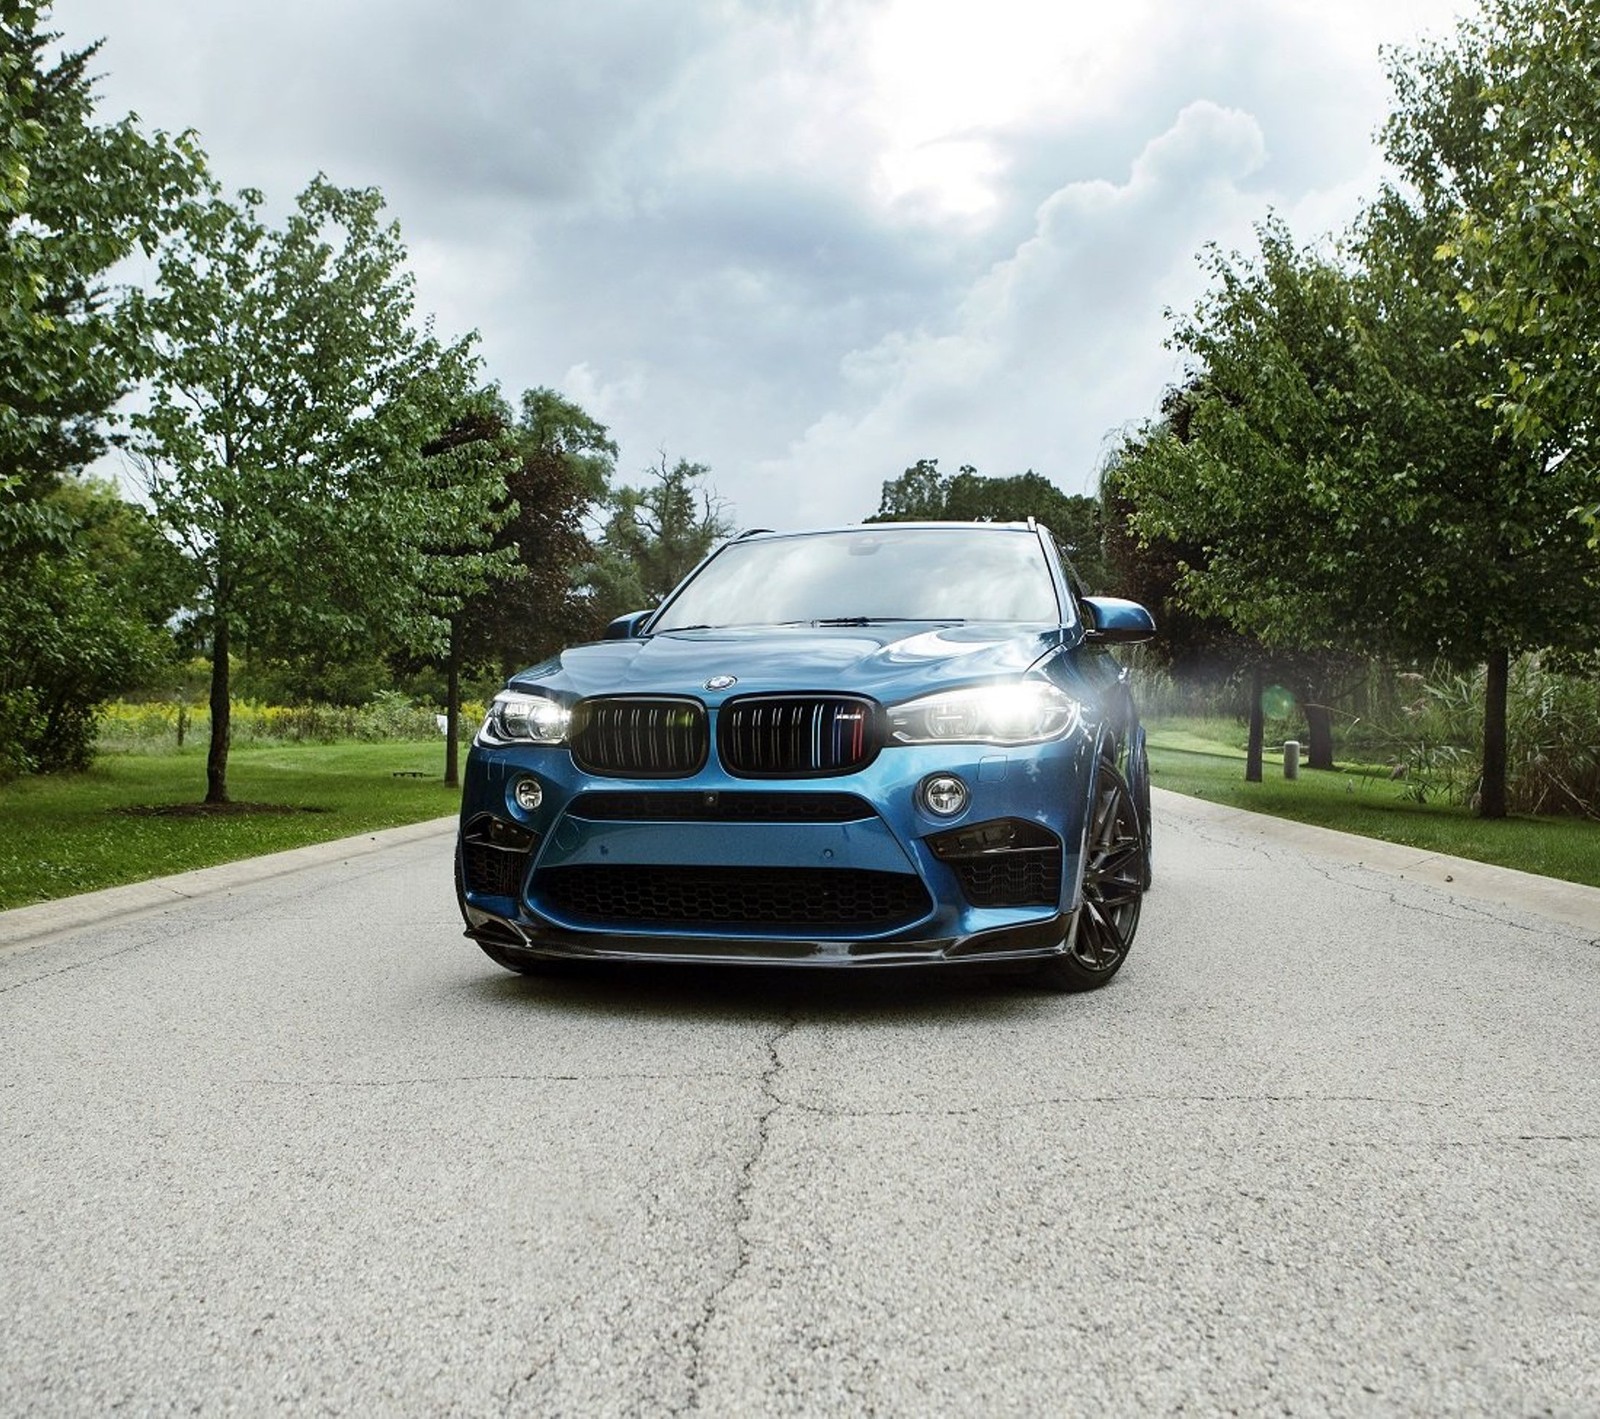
1051	347
804	241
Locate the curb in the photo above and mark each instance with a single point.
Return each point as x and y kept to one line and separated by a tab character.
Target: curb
1570	903
23	927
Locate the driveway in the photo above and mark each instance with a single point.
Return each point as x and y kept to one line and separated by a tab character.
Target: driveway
277	1138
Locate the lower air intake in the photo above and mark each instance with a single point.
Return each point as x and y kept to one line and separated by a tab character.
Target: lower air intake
792	901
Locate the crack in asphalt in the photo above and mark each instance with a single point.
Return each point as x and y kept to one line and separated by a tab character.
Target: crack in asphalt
1345	875
772	1101
544	1363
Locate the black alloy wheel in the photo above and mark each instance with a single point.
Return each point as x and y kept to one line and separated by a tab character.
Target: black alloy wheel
1114	876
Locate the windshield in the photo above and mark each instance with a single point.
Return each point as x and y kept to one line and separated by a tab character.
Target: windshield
870	574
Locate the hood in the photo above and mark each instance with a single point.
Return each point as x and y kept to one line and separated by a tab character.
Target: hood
888	661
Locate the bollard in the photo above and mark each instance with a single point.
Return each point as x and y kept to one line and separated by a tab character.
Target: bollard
1291	759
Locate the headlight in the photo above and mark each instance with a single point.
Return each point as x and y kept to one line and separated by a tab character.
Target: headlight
1022	712
517	718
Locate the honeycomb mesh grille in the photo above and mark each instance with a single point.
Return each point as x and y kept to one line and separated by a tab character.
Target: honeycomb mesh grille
793	900
1025	878
681	806
491	870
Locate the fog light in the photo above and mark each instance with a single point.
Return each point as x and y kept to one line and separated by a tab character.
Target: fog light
527	794
943	795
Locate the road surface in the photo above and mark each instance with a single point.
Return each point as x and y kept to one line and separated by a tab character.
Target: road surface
1330	1144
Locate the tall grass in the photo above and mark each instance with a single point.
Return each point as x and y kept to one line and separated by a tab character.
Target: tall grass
389	717
1427	729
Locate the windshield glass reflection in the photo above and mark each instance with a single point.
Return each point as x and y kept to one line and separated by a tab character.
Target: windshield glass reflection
872	573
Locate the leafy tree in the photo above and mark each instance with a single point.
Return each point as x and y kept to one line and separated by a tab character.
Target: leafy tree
82	620
1498	132
76	197
1342	477
923	494
654	537
555	461
283	445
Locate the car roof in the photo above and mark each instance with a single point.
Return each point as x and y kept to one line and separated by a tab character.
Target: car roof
767	533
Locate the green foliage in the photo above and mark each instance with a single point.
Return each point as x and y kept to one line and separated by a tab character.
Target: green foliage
923	494
151	726
654	537
78	832
83	580
284	446
76	197
1340	476
1553	734
80	620
559	462
1499	130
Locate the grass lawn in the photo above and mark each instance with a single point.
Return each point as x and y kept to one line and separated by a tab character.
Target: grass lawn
66	833
1205	761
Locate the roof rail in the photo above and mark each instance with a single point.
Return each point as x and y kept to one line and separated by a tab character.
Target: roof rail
751	532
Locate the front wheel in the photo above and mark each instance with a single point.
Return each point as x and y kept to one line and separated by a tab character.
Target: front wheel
1114	876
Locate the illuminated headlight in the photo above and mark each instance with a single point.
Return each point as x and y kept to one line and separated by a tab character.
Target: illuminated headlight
516	718
1021	712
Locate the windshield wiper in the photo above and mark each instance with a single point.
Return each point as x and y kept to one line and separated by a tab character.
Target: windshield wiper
875	620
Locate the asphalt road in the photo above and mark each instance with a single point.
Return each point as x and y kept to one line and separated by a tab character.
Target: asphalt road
1329	1145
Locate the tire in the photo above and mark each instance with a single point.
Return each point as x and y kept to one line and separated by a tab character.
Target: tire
1114	876
522	963
1139	772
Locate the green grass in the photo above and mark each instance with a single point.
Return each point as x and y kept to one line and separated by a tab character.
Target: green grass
66	833
1205	760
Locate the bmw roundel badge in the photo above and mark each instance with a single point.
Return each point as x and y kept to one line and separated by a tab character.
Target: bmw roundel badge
721	682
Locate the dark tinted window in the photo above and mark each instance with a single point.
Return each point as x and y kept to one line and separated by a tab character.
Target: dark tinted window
921	573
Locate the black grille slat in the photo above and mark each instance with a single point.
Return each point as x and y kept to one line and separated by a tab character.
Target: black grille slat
773	736
794	900
685	806
637	737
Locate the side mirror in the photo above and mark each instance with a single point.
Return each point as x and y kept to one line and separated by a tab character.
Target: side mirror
1113	621
625	628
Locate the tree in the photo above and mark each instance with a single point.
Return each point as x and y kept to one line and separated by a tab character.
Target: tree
283	446
83	619
76	197
562	465
1343	478
654	537
1498	132
556	461
923	494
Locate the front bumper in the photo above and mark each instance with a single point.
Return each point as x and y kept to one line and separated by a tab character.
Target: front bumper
843	870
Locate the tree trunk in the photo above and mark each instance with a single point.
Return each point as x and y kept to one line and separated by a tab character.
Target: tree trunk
1252	763
217	754
1319	722
452	707
1492	790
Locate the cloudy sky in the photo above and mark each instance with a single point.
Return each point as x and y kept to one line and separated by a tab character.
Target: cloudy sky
806	242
